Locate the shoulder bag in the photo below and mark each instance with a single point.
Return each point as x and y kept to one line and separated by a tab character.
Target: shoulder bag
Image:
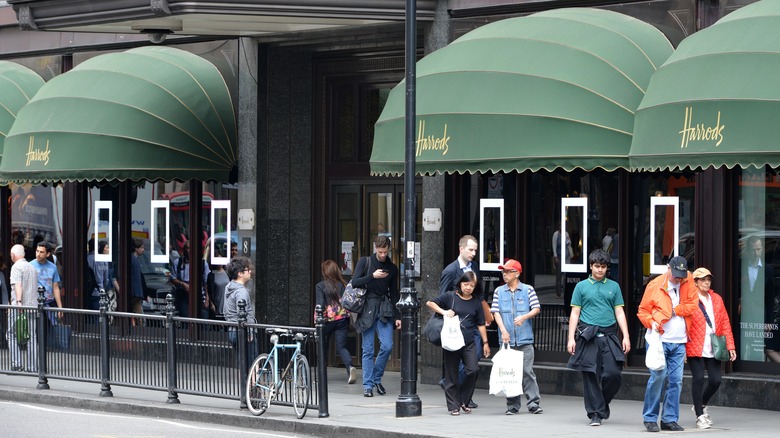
354	298
432	329
719	350
22	328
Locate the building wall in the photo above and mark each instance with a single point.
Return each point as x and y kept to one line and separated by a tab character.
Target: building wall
284	216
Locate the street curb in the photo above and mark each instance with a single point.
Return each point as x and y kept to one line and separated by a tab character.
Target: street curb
319	427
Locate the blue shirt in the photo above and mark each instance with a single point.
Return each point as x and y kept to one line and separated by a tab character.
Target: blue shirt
47	276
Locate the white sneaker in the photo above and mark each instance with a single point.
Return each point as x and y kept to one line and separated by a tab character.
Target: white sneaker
706	414
702	423
352	375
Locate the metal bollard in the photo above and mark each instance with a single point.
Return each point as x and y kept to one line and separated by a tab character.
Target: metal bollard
241	340
170	333
322	366
105	359
43	382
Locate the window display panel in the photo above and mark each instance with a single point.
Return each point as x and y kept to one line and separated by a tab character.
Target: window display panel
36	216
759	256
587	228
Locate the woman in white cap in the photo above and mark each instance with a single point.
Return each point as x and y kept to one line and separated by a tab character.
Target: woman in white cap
711	319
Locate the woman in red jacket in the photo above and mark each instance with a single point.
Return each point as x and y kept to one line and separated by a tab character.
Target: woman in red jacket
711	319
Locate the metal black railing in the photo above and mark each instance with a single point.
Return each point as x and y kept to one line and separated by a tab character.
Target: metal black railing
155	352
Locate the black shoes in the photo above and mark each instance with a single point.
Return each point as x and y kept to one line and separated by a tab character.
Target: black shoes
380	389
368	393
472	405
511	411
651	427
673	426
595	420
536	410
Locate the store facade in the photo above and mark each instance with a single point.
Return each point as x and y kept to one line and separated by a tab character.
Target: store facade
306	104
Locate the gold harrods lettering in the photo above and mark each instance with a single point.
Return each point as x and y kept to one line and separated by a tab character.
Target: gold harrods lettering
431	142
35	154
700	131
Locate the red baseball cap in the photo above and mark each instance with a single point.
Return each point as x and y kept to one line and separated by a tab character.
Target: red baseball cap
511	265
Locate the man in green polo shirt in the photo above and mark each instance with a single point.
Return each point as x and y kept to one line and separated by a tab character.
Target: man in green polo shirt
596	314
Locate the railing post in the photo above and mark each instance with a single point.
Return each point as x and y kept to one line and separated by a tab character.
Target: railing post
322	366
242	347
105	359
43	382
170	334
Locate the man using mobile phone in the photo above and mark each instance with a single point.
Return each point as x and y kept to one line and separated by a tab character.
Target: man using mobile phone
379	276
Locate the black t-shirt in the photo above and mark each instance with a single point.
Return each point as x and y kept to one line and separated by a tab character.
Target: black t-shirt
469	311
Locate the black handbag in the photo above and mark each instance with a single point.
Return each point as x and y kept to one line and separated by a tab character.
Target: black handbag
432	329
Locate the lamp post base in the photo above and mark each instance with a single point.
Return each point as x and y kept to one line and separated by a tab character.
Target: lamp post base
408	406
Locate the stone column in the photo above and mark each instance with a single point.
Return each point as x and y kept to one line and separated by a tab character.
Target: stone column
432	245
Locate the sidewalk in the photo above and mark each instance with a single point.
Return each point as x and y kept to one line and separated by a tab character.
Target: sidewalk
351	414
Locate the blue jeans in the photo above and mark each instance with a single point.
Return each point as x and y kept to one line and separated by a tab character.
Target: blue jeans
374	370
673	373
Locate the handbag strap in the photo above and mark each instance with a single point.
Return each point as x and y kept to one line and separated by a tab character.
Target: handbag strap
706	316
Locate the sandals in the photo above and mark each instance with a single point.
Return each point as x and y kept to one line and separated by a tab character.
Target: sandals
466	409
455	412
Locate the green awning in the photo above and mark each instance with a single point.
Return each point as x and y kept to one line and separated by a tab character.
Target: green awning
556	89
18	84
153	113
716	101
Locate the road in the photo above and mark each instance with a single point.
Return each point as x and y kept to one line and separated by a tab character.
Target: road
43	421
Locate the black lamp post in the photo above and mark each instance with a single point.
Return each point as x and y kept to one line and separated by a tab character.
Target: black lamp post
408	403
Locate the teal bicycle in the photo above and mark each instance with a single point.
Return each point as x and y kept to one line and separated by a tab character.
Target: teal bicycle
265	382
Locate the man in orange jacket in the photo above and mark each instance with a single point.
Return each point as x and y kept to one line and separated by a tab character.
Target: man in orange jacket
667	300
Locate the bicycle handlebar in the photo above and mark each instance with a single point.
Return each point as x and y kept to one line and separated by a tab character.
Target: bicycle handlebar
287	332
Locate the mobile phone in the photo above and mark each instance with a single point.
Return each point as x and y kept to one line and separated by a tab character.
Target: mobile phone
383	270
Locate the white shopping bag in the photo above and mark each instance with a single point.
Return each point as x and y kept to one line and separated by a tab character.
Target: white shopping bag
654	356
506	377
451	336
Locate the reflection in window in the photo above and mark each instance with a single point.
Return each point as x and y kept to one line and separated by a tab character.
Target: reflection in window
36	216
759	224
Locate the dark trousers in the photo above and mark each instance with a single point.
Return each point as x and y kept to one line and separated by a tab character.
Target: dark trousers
599	388
339	330
701	395
460	394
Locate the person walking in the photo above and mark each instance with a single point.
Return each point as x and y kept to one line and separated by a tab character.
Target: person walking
450	275
380	279
328	296
596	314
462	304
24	292
667	300
712	318
514	305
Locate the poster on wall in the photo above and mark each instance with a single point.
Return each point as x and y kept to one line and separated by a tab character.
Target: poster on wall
346	258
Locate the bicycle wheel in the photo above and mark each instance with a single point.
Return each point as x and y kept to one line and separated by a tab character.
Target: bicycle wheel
258	385
301	386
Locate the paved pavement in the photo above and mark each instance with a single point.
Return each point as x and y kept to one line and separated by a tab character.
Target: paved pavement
351	414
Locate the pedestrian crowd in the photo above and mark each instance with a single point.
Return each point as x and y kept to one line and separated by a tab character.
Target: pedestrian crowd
678	306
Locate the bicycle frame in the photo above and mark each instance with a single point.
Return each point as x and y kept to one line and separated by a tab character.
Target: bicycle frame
274	355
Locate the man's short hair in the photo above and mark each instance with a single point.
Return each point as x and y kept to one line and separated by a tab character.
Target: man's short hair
45	245
137	243
236	265
382	242
598	257
465	240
